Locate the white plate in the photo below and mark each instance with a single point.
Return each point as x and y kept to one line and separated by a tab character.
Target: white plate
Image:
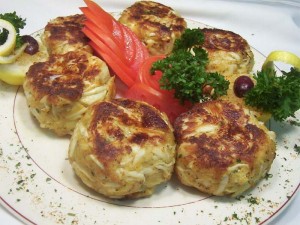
39	186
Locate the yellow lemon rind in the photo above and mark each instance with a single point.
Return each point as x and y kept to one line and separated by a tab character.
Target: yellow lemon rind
15	77
14	56
282	56
10	43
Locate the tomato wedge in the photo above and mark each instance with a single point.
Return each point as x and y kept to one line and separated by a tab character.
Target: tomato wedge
142	92
162	101
106	39
110	57
114	42
103	18
141	53
149	90
116	66
118	33
114	33
99	21
146	77
130	45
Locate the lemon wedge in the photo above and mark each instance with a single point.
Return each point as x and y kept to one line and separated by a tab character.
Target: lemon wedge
10	42
13	56
14	73
282	56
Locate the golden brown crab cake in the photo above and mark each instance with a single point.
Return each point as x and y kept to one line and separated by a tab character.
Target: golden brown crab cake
123	148
221	149
228	52
58	91
155	24
63	34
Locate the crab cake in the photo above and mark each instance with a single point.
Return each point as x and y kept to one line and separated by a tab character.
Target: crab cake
123	148
64	34
155	24
221	149
228	52
58	91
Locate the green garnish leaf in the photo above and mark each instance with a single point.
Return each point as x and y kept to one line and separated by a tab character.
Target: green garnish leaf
184	70
17	22
189	39
278	95
297	148
253	201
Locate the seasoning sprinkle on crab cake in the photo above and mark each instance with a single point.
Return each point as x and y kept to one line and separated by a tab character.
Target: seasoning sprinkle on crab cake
123	148
155	24
221	149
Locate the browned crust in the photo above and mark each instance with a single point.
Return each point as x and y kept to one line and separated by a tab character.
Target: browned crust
140	12
66	31
236	140
136	118
154	21
61	76
217	39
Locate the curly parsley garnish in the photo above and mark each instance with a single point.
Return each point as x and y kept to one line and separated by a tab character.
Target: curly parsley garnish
17	22
253	201
297	148
279	95
184	70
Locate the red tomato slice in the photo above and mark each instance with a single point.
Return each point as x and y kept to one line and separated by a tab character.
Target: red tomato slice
122	70
102	22
141	53
118	33
105	17
113	57
130	45
118	38
162	101
146	77
144	93
107	39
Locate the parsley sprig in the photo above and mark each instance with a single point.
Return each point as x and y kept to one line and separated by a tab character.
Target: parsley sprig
297	148
184	70
17	22
279	95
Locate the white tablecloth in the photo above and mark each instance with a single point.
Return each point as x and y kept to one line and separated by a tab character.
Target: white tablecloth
267	25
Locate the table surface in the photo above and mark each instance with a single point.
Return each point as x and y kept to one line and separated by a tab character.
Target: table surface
267	25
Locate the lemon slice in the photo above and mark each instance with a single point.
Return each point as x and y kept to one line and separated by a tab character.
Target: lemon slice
10	42
14	73
282	56
13	56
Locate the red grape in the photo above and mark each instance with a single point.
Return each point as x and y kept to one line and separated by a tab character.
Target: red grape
32	47
242	85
